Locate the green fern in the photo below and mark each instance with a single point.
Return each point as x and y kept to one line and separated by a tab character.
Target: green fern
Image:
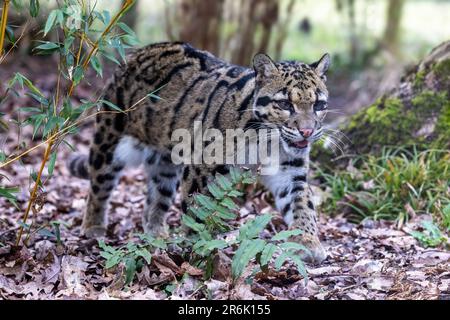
209	215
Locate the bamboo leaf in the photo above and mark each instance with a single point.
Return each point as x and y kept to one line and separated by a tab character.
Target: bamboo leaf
50	21
34	8
51	163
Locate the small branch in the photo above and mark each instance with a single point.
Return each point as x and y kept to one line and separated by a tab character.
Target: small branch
3	24
35	188
14	45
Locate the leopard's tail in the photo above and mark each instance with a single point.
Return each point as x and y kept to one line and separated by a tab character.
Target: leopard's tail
78	165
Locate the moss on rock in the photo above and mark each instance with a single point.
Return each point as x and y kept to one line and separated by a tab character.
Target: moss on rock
416	112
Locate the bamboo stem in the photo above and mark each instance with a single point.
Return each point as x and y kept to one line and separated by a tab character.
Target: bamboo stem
35	188
3	24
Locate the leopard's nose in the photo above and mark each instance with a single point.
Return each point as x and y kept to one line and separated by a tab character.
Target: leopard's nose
306	132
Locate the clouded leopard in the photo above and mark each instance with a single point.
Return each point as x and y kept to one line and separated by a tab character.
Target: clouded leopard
195	86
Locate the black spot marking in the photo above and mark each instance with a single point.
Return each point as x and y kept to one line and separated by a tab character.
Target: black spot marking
175	71
82	170
104	147
119	122
246	102
301	178
98	138
297	189
283	193
166	158
98	162
204	181
168	53
263	101
95	188
163	206
101	178
109	157
151	159
168	175
196	54
222	169
156	180
185	173
194	187
310	205
104	198
294	163
285	209
164	191
117	168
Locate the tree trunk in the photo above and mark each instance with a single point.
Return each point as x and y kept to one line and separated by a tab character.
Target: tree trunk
231	29
282	30
391	36
200	23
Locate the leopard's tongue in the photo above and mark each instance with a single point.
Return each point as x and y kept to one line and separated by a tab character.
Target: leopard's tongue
301	144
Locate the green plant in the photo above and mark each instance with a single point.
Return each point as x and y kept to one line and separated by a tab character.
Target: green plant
446	217
213	213
80	45
393	185
132	255
50	230
431	236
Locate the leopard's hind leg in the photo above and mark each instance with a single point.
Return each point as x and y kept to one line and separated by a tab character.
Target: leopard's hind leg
163	181
104	168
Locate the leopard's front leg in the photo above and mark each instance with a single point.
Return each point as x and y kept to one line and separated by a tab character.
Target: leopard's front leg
293	199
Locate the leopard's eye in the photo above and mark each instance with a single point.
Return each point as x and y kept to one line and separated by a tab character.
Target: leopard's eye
319	106
285	105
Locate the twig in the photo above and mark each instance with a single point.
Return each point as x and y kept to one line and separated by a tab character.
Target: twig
14	45
3	24
35	188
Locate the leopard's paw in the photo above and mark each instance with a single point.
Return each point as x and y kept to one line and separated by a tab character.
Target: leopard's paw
316	253
157	230
94	231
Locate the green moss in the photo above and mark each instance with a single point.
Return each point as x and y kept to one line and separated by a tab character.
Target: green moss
419	79
390	122
443	127
386	122
438	104
442	70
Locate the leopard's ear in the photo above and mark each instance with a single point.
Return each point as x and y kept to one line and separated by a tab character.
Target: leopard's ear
321	66
264	65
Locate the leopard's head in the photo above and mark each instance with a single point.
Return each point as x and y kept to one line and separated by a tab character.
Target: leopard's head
292	97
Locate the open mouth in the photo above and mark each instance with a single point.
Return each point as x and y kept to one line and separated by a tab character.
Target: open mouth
298	144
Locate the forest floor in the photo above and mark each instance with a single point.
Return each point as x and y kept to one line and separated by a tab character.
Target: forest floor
370	260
